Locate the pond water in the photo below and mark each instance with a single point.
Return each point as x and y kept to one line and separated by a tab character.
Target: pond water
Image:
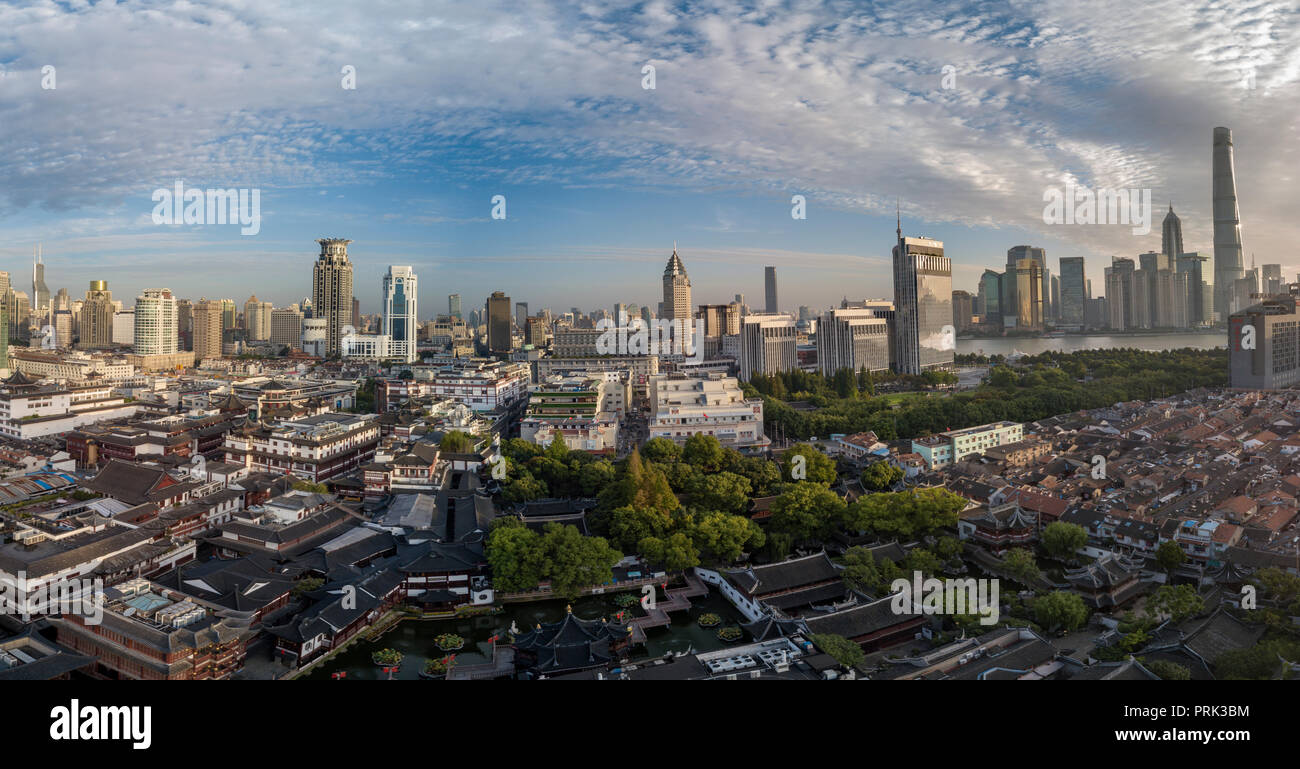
415	638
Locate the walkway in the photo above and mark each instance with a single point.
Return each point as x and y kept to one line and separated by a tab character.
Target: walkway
501	665
676	600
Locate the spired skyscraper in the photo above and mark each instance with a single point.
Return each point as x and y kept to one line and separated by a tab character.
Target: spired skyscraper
331	290
40	292
677	291
1171	237
1228	263
400	322
924	336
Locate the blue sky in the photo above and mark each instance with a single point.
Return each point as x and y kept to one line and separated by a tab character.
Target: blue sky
842	102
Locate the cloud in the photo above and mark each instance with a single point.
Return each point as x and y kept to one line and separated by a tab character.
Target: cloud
840	101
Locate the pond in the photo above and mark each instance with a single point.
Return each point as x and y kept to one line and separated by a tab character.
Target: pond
415	638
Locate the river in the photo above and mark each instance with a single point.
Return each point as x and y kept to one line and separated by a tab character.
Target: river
1036	345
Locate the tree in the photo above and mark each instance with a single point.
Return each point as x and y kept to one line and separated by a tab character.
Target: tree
1061	609
456	442
1019	563
573	561
844	651
703	452
1175	602
723	538
661	450
806	511
861	570
316	488
629	525
1063	540
1170	556
307	585
675	553
593	477
516	556
724	491
815	467
1169	671
881	476
904	514
923	561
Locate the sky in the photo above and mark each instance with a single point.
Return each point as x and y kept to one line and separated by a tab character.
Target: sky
963	115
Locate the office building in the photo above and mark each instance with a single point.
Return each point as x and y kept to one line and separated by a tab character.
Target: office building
400	291
497	312
676	305
97	311
767	345
286	329
1073	290
853	339
332	291
924	337
769	285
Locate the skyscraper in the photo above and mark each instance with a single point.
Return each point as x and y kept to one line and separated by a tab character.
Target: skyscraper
1011	302
1073	290
257	319
400	321
1029	294
155	322
497	312
453	305
521	315
990	298
331	291
207	330
769	283
1228	263
924	337
286	329
677	291
40	293
97	313
1171	236
1192	264
1272	276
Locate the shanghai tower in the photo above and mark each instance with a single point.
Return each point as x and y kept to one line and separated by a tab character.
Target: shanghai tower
1227	225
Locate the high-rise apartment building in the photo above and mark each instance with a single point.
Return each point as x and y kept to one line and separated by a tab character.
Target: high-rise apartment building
97	311
207	329
257	319
155	322
332	291
400	324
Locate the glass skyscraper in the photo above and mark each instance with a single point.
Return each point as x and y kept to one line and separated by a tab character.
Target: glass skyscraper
924	337
400	323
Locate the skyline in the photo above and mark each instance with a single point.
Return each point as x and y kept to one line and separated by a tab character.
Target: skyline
601	175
